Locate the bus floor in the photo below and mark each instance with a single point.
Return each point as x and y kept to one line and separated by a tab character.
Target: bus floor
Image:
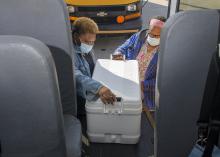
143	149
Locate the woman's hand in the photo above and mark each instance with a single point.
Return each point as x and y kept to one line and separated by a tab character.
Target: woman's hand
106	95
118	57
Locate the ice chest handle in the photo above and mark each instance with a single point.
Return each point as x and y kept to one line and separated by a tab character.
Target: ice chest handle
112	56
111	110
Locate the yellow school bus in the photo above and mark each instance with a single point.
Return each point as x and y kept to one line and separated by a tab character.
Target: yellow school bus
112	16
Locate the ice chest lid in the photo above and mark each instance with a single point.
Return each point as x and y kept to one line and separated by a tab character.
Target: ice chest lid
122	77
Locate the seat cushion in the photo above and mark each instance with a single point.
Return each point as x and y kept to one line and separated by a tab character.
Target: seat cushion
31	119
72	129
47	21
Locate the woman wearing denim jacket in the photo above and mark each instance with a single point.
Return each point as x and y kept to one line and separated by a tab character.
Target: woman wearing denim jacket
84	36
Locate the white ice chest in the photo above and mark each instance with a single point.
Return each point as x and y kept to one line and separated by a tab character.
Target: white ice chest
121	122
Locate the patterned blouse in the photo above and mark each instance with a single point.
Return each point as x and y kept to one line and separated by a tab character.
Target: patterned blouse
144	57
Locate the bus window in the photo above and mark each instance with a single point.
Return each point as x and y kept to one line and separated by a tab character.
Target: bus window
198	4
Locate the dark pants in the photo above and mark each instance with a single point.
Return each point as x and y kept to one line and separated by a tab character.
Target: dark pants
81	106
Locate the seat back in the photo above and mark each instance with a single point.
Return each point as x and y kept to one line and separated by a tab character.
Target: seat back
217	93
188	43
31	121
47	21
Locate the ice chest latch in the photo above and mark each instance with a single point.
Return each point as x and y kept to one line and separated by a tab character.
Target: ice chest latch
117	108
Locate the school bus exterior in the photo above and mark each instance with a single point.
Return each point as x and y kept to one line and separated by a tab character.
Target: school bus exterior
112	16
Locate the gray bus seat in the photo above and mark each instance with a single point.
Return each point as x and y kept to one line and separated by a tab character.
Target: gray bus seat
219	65
47	21
188	43
31	118
72	127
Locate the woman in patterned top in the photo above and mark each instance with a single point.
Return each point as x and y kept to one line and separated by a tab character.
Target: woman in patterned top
143	46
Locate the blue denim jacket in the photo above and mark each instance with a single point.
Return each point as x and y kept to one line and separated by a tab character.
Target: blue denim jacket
131	47
85	85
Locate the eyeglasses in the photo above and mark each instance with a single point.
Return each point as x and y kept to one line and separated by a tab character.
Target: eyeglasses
89	42
154	35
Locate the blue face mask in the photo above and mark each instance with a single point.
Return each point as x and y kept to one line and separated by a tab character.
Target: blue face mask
85	48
